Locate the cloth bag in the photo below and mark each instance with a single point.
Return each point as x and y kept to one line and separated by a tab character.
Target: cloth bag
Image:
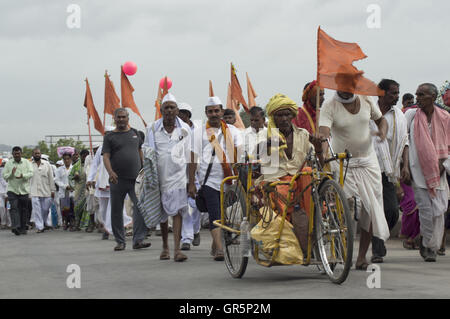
265	233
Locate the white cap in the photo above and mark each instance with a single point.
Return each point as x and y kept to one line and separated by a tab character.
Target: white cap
169	98
213	100
185	106
109	128
44	156
95	145
60	162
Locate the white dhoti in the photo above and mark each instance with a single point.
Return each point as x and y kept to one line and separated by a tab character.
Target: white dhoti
191	223
174	202
431	216
363	181
41	208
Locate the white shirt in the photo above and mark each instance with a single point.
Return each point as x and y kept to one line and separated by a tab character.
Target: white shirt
97	168
203	149
252	139
3	183
62	180
172	154
414	164
42	182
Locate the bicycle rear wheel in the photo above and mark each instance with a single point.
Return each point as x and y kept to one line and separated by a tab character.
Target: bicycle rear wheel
234	206
333	230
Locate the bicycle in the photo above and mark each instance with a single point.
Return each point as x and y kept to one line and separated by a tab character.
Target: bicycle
330	230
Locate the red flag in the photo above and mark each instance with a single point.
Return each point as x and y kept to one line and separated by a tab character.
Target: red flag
236	90
251	93
91	111
335	70
112	101
127	94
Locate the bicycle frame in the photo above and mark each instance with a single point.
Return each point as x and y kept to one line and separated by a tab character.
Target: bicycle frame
317	174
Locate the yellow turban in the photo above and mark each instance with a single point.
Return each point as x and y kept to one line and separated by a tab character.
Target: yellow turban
279	102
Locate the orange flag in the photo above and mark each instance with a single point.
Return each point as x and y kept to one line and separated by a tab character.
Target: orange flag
112	101
335	70
251	93
211	91
233	105
158	114
91	111
127	90
236	90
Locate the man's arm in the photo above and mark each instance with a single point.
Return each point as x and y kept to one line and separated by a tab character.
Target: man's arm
382	128
113	178
192	168
405	174
7	172
141	155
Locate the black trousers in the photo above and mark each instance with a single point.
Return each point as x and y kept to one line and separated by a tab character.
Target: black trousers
18	210
391	213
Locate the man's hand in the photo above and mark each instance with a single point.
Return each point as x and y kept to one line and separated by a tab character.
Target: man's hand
13	170
113	178
192	190
19	177
316	140
405	175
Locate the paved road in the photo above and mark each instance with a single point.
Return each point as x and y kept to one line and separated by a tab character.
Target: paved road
34	266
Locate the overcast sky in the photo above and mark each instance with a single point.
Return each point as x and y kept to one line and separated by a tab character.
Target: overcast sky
44	63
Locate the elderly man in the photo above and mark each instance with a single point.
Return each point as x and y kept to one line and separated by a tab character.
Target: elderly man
347	117
391	153
170	137
306	117
122	156
42	190
294	144
214	145
429	139
17	173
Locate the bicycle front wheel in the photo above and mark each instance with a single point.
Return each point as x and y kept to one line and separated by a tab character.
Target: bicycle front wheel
234	206
334	231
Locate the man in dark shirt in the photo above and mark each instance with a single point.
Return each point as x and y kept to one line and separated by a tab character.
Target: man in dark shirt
122	156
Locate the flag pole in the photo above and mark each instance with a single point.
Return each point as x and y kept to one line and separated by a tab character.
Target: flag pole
317	109
104	113
89	127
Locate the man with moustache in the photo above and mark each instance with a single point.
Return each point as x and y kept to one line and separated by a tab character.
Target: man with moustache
42	190
122	156
392	154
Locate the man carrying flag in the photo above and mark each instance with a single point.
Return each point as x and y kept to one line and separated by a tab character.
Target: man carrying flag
346	116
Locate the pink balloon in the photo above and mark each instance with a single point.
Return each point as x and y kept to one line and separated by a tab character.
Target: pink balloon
169	83
129	68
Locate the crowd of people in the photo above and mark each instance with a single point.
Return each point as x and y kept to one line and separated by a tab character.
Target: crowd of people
172	173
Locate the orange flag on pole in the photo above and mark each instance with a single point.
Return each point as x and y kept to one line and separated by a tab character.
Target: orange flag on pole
236	90
233	105
251	93
211	91
335	69
112	100
127	90
91	111
158	114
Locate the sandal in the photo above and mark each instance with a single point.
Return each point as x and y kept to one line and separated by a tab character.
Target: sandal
219	255
179	257
362	266
164	255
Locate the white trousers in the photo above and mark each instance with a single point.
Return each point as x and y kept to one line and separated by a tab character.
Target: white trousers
104	212
5	219
191	225
431	216
41	208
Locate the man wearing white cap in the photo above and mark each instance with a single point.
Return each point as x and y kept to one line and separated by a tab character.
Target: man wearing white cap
97	179
170	138
5	220
215	145
190	232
